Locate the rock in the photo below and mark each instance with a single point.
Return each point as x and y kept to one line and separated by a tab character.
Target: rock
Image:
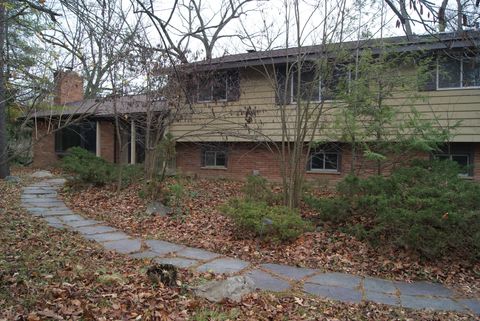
13	179
41	174
232	288
158	208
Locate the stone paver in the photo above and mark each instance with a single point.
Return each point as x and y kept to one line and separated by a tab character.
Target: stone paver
97	229
471	304
71	218
381	297
332	292
336	279
107	237
162	247
82	223
424	288
177	261
265	281
40	199
53	220
123	246
144	255
290	272
379	285
223	265
419	302
197	254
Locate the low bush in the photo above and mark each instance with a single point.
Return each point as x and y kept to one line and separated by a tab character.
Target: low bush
277	223
87	168
426	207
257	189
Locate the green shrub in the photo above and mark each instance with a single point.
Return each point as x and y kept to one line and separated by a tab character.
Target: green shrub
175	197
257	189
87	168
277	223
427	208
130	173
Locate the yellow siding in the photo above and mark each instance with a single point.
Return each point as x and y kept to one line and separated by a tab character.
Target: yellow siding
226	120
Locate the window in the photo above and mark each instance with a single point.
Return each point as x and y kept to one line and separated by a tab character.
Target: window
219	87
309	85
214	156
82	135
312	87
324	160
458	72
460	153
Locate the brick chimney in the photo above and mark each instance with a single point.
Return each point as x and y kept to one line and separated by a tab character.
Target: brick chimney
68	87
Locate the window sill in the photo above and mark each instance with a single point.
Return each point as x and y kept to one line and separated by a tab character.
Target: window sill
214	167
457	88
212	101
320	171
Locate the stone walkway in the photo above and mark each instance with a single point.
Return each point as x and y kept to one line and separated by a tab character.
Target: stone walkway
40	199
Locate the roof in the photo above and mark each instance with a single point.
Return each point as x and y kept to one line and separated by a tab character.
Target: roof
398	44
105	107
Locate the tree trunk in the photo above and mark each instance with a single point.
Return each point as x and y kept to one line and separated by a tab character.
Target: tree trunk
442	22
4	168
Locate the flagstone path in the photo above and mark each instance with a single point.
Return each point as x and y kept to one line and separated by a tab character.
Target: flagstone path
40	199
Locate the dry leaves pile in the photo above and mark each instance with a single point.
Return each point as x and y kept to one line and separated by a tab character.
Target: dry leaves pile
203	226
49	274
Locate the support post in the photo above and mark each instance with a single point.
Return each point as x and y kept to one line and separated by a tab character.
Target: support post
98	144
133	140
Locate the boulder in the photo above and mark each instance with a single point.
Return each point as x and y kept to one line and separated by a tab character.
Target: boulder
232	288
157	208
41	174
13	179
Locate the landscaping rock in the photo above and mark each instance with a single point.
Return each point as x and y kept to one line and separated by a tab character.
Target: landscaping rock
41	174
232	288
157	208
13	179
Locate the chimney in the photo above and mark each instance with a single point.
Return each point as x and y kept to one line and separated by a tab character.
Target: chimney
68	87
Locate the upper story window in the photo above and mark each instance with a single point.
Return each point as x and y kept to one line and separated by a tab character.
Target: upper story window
81	134
314	86
458	72
218	86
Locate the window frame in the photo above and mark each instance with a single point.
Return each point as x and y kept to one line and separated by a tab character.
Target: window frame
321	87
225	81
461	87
324	170
215	152
80	129
293	85
450	156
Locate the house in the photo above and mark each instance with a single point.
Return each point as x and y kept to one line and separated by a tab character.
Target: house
239	103
236	124
90	124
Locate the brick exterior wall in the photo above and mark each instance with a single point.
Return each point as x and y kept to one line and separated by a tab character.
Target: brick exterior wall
44	155
43	140
244	158
476	162
68	87
107	141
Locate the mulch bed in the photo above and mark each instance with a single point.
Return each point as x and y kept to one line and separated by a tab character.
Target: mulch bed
205	227
50	274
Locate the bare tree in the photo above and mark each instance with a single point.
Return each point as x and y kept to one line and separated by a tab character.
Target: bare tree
196	24
95	35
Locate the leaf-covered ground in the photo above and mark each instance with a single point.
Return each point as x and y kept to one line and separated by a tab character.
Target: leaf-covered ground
203	226
49	274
